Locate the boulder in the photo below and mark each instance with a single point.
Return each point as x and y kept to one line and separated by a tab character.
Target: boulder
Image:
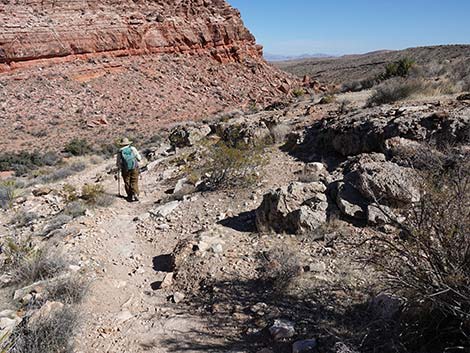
296	209
385	182
8	324
350	201
379	215
187	136
41	191
246	131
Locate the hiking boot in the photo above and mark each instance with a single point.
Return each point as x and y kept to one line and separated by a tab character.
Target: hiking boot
136	199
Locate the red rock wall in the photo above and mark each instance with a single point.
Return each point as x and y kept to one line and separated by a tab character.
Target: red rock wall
43	29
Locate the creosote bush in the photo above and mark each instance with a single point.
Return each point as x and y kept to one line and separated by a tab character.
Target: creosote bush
25	162
231	167
78	147
430	264
400	68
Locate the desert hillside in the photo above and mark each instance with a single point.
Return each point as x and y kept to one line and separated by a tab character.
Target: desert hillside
101	69
349	68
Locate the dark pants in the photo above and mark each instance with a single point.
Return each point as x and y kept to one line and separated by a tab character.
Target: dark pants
131	182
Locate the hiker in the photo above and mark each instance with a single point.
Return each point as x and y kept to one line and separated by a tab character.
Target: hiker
127	162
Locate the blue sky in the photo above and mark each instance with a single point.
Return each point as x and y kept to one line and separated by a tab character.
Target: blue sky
293	27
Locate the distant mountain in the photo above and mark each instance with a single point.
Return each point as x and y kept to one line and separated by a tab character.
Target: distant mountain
277	57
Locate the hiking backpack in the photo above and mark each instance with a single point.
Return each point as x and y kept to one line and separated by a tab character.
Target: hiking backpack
128	159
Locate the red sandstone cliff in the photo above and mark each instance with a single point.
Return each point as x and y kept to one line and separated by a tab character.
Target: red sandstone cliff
99	69
37	29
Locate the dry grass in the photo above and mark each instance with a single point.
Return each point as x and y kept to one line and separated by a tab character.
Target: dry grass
281	267
51	335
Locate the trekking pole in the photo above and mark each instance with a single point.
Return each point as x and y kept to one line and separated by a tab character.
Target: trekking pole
119	183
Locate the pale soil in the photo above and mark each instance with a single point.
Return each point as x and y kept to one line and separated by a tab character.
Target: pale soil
122	313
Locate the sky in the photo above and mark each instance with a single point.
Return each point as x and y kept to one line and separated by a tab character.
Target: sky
336	27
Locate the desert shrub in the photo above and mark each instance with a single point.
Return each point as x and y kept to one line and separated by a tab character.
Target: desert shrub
55	223
298	92
50	335
70	193
279	132
430	264
344	106
9	191
23	218
356	86
329	98
75	209
229	167
396	90
400	68
281	267
78	147
68	290
24	162
94	195
29	265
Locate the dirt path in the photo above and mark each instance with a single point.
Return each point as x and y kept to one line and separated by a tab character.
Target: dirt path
122	312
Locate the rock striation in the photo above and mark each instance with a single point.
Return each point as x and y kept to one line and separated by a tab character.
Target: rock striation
33	29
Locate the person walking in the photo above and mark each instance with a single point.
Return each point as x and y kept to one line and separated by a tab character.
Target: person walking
127	161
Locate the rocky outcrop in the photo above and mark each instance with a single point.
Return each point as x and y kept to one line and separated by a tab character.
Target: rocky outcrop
298	208
31	30
367	131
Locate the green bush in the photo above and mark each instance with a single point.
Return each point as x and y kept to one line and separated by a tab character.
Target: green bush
230	167
400	68
298	92
329	98
78	147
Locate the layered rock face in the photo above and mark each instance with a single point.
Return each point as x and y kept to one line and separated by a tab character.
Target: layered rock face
39	29
97	69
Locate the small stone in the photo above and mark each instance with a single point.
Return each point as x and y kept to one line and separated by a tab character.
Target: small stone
282	329
167	281
304	346
41	191
177	297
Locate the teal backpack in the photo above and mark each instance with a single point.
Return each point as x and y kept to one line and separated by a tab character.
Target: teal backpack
128	159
